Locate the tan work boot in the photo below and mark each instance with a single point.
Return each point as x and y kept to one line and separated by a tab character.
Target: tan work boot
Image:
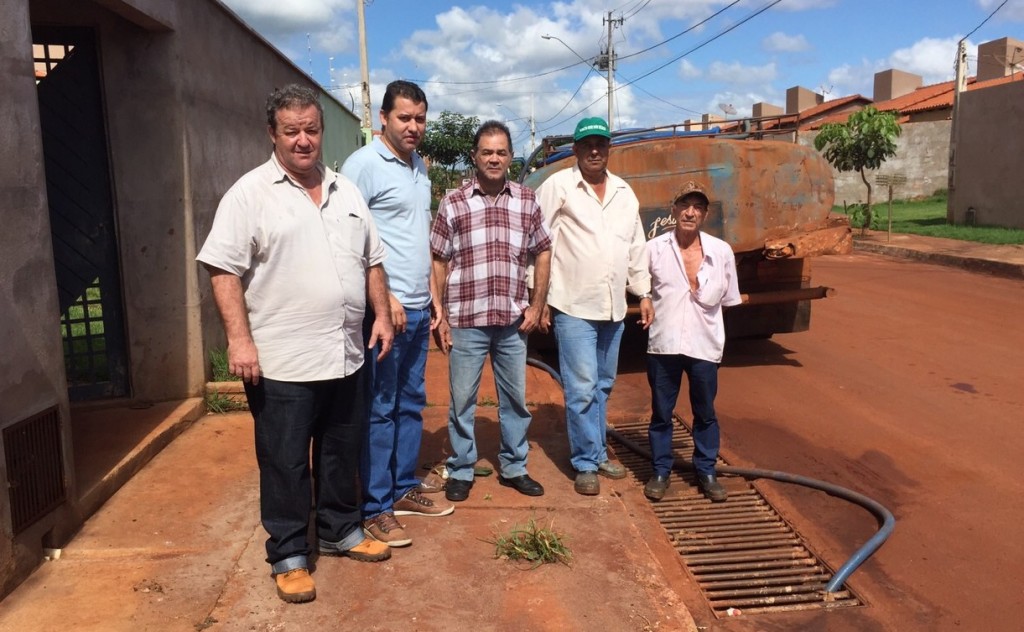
295	586
369	550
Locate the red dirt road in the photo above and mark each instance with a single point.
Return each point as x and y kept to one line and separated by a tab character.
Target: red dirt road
908	389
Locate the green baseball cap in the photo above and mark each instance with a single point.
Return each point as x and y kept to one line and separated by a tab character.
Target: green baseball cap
593	126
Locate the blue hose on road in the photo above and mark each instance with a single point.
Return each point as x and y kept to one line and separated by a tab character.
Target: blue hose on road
885	517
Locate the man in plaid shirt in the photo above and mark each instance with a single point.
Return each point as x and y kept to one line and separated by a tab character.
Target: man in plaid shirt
482	240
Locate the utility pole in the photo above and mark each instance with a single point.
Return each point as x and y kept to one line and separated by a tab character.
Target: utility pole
609	61
959	85
533	127
365	67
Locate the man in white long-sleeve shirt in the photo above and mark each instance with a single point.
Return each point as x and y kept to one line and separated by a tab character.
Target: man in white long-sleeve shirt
597	254
694	277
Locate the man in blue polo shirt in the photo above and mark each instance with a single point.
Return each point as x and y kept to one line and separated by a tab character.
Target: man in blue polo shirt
393	179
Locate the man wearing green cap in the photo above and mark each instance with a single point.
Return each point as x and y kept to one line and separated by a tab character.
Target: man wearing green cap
598	253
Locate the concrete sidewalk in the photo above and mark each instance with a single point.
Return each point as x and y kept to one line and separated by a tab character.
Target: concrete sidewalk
1004	261
180	547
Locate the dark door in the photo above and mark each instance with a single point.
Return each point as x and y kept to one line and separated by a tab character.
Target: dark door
78	187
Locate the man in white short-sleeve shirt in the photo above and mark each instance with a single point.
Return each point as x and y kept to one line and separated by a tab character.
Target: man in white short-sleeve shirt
293	255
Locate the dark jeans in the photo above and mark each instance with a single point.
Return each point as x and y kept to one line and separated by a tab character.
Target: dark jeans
289	416
665	375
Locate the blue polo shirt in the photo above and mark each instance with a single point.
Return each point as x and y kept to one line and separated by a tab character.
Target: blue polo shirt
399	200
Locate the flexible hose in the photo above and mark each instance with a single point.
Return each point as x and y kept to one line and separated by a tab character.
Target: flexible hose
885	517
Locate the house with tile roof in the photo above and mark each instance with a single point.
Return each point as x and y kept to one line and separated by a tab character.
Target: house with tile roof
926	113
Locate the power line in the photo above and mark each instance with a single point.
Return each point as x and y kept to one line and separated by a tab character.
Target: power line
698	24
703	44
996	10
510	80
671	61
637	10
580	87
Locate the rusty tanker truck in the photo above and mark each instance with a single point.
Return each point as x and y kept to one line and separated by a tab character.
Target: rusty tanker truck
770	200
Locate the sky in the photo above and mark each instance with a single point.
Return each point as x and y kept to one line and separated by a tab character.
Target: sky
675	59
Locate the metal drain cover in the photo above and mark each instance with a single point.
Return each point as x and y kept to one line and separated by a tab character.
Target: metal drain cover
745	557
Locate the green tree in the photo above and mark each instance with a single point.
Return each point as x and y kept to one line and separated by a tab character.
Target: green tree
864	141
448	142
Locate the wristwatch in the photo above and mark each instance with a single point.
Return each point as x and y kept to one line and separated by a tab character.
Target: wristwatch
644	295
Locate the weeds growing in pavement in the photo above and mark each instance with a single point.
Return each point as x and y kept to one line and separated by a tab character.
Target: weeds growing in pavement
532	543
219	366
218	403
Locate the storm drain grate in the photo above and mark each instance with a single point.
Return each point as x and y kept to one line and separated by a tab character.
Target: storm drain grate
745	557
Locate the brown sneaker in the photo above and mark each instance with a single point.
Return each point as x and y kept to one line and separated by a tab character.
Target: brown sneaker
416	504
295	586
384	528
432	483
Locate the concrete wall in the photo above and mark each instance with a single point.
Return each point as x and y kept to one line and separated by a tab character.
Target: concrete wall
186	119
990	157
922	155
32	370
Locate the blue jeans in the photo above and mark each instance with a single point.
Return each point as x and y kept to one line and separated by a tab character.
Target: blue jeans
588	357
507	347
396	393
288	416
665	375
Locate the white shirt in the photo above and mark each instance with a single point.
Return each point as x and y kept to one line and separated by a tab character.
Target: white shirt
303	269
686	322
597	248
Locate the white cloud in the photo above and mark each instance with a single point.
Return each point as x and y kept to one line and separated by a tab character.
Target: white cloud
1013	11
779	42
274	17
688	71
931	58
849	79
737	73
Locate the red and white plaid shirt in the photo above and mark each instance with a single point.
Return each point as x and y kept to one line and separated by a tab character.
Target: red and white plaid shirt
487	244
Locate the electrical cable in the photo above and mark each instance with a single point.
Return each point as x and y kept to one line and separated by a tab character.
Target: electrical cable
888	521
671	61
994	11
677	35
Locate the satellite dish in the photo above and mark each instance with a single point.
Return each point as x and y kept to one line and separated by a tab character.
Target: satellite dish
727	108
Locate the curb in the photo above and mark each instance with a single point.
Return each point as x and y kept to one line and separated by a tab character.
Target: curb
233	391
974	264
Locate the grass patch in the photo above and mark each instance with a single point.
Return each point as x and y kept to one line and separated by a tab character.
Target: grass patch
928	217
219	367
532	544
218	403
